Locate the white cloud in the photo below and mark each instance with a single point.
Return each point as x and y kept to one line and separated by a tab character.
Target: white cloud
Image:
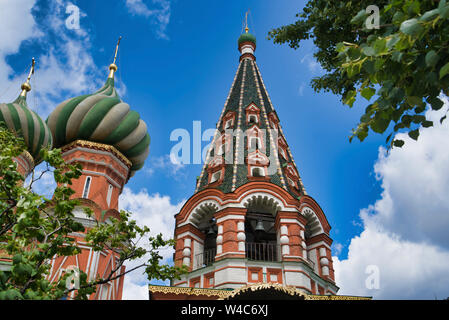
407	270
17	25
64	64
405	231
168	164
157	212
301	89
337	248
159	16
132	291
313	66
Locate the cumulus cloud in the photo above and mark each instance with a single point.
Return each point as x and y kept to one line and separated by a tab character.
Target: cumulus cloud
158	15
405	231
157	212
168	164
64	63
311	63
17	25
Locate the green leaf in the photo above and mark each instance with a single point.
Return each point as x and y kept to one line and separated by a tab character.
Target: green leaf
398	17
444	70
392	40
398	143
414	134
432	58
429	15
380	46
397	56
379	124
368	51
367	93
414	101
443	9
411	27
368	66
427	124
436	103
360	17
350	98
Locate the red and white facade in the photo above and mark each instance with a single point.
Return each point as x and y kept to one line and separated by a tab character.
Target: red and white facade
250	219
104	174
298	260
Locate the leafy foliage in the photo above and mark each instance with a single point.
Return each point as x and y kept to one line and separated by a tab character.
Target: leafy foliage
33	230
404	63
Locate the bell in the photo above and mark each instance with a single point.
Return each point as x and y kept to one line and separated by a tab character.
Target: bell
259	226
210	231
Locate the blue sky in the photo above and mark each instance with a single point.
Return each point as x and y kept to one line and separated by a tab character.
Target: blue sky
176	64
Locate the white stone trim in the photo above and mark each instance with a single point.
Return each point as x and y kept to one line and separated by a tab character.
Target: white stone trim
286	220
229	217
318	244
188	233
94	173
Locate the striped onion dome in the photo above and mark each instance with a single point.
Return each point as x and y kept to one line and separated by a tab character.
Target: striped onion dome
23	121
102	117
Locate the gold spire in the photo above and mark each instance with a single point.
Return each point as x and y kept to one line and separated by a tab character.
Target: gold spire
113	66
246	21
26	85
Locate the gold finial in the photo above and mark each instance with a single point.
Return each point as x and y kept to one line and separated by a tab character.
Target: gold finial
246	21
26	85
113	66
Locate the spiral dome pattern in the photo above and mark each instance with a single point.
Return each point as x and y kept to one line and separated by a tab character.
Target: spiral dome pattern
23	121
102	117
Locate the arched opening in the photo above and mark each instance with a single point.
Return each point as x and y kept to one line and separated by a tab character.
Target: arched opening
203	218
261	236
207	256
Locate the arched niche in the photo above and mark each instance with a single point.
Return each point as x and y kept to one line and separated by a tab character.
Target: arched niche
313	226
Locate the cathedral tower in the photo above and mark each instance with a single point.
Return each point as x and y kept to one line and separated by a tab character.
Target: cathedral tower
250	219
27	124
111	142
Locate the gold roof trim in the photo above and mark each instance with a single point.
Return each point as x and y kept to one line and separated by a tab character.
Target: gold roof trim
190	291
101	146
292	291
226	294
258	286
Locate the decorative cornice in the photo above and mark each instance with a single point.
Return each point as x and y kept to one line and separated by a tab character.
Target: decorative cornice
229	294
189	291
98	146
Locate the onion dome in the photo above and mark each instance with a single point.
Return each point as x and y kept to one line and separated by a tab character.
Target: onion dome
23	121
247	43
247	37
102	117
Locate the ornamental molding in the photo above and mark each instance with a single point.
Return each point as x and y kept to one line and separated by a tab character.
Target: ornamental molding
98	148
189	291
197	210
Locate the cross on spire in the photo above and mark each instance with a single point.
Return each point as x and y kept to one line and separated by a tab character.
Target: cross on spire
26	86
113	66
